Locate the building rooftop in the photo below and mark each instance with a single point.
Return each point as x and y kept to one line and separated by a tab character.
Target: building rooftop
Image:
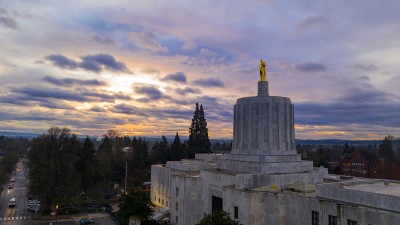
186	173
379	187
225	171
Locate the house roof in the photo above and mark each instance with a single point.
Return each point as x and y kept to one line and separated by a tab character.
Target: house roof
369	155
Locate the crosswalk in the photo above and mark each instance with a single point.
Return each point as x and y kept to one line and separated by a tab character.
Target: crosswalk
18	188
14	218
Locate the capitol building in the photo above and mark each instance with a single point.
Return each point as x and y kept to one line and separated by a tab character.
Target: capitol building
263	181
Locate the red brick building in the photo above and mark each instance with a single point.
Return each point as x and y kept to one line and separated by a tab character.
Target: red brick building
355	165
368	164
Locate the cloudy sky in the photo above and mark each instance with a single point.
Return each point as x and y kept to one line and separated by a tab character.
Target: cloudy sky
140	66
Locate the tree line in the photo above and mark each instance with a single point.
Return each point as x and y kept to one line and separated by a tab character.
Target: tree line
389	149
61	165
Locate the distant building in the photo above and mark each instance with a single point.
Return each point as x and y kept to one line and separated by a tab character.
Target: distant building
357	164
369	165
263	181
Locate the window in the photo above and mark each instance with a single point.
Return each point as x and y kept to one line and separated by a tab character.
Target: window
155	198
176	206
332	220
216	204
159	200
166	203
177	191
351	222
162	201
236	212
176	218
314	218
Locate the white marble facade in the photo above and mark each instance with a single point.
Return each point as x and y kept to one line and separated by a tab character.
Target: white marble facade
254	183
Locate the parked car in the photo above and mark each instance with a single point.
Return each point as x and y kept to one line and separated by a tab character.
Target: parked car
33	208
86	221
10	186
34	201
13	179
33	205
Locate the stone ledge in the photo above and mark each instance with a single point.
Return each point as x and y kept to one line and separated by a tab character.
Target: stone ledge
267	167
263	158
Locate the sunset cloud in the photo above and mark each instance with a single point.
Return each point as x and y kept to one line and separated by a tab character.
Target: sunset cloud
311	67
141	66
177	77
209	82
71	81
147	40
94	63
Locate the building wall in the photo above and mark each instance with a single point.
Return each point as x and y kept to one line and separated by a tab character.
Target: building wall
233	197
356	197
186	191
212	184
297	209
268	207
160	185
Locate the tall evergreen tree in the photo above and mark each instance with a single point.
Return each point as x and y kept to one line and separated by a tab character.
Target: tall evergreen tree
386	148
159	152
198	133
127	141
87	163
140	155
176	149
105	158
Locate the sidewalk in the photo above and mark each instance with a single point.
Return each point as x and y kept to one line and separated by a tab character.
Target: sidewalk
71	216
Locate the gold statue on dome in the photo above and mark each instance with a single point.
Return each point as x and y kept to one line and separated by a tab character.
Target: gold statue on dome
263	70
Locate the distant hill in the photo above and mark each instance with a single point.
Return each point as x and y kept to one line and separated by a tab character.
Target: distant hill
184	138
338	142
15	134
31	135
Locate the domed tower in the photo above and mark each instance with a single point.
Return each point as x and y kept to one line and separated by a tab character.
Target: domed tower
263	124
263	135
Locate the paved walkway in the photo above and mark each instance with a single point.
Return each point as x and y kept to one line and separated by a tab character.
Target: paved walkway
100	219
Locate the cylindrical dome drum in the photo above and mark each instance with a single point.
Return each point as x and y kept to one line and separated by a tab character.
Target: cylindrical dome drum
263	124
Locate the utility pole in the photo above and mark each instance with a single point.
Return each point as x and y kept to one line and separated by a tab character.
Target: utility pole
126	170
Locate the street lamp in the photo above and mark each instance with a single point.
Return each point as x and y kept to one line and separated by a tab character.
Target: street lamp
126	170
57	214
126	149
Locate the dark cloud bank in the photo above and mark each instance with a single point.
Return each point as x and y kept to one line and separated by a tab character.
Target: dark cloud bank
356	106
179	77
67	82
93	63
311	67
209	82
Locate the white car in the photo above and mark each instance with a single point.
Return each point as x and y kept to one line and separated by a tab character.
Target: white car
12	202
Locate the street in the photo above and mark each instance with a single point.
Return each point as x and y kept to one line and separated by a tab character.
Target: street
19	215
